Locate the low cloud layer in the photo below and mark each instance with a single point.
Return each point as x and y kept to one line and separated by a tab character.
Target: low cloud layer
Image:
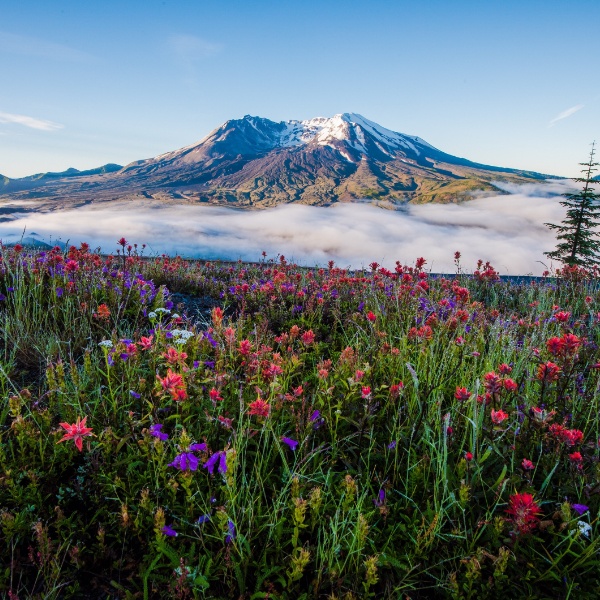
508	230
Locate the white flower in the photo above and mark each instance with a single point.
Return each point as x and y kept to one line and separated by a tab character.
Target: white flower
174	316
163	310
106	344
152	315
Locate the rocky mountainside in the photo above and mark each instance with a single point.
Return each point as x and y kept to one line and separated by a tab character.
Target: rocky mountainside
255	162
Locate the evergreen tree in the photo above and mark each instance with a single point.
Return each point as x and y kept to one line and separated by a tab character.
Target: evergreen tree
578	241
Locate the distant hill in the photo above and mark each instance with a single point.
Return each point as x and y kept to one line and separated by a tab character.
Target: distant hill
255	162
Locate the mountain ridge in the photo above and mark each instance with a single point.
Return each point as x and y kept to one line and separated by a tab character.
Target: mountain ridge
254	162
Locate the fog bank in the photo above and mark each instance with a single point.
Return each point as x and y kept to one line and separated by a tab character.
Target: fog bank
508	230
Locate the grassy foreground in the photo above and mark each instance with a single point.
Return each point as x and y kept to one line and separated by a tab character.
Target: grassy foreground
323	434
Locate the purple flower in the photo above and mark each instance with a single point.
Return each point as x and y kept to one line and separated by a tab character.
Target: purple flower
392	445
380	500
59	292
155	431
135	394
315	415
293	444
168	530
210	338
580	508
198	447
231	535
203	519
185	461
124	356
211	463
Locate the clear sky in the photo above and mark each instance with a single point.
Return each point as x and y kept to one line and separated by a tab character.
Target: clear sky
511	83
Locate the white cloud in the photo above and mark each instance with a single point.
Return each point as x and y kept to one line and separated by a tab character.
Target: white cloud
31	46
565	114
30	122
507	230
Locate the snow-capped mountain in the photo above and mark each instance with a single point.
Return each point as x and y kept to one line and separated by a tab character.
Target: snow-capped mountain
258	162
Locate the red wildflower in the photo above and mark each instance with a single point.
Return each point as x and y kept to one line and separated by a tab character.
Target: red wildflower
527	465
215	395
548	372
259	407
498	416
308	337
576	457
173	357
146	342
556	346
366	392
172	383
371	316
562	316
571	343
71	266
504	369
395	389
469	456
103	312
245	347
492	383
523	512
462	393
509	385
76	432
217	316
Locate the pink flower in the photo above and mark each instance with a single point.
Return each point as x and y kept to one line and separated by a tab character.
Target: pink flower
527	465
366	392
498	416
76	432
308	337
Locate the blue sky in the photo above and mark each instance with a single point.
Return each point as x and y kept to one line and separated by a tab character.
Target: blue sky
511	84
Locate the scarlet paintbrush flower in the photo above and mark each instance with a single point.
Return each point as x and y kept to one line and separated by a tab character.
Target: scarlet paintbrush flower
76	432
259	407
527	465
308	337
571	343
462	393
510	385
523	512
173	357
371	316
548	372
492	383
498	416
556	346
146	342
103	312
245	347
562	316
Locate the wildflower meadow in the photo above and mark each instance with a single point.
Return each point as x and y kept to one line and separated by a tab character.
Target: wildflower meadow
175	429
